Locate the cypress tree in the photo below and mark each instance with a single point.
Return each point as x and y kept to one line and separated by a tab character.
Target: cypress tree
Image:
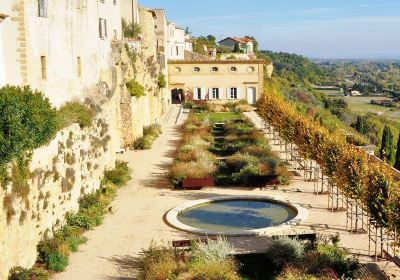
397	161
386	150
236	49
360	125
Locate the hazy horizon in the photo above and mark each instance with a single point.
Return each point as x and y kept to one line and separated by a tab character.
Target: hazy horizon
343	29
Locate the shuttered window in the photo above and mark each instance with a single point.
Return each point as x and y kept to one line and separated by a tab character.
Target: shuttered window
102	28
42	11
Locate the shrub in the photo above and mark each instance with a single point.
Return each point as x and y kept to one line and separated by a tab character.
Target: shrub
242	176
182	170
284	250
20	273
291	273
213	251
162	83
150	133
135	89
118	176
159	264
239	161
213	270
131	30
27	121
75	112
54	253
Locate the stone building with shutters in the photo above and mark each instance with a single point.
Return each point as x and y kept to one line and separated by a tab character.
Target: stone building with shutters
217	80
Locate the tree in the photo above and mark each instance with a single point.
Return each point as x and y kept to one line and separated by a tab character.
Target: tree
397	161
360	124
236	49
187	31
211	38
386	150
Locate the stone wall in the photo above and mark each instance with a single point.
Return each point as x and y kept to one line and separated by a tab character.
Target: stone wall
70	166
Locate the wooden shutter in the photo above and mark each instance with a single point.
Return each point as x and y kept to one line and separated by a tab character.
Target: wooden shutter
210	93
105	28
221	93
195	93
101	28
239	93
203	93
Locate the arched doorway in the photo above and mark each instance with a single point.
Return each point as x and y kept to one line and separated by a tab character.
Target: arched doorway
177	96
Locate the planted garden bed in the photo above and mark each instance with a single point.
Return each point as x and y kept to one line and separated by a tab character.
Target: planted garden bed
227	147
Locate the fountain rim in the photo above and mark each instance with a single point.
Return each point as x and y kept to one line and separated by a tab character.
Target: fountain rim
172	216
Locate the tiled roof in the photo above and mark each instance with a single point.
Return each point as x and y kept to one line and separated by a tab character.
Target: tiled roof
238	39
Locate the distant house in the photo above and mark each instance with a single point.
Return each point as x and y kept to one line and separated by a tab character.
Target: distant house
246	45
176	42
355	93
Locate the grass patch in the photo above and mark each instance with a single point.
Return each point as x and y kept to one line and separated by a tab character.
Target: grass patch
150	134
53	252
219	117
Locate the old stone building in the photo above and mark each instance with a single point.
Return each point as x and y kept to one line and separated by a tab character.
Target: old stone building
217	80
74	51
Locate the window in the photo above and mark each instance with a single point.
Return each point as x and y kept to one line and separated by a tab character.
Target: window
43	66
197	93
102	28
42	11
177	50
233	69
251	69
115	2
215	93
233	93
79	66
115	35
177	69
196	69
214	69
102	1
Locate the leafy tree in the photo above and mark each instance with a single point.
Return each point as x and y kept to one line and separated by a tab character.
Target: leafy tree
236	49
27	121
211	38
386	151
397	161
202	41
187	31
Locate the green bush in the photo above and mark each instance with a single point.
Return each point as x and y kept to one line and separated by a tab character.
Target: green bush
162	82
75	112
150	133
131	30
284	250
119	176
54	253
27	121
135	88
20	273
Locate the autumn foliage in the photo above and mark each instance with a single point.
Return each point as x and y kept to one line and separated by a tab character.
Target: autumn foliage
348	166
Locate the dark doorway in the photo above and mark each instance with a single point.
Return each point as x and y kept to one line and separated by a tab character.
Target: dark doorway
177	96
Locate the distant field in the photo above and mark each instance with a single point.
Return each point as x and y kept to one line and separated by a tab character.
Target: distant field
361	105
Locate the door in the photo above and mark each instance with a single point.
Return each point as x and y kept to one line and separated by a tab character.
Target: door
251	95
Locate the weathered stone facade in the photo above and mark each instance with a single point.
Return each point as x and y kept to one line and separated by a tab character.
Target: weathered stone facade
74	162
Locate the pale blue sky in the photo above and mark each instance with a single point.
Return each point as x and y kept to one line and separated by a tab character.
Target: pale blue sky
314	28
